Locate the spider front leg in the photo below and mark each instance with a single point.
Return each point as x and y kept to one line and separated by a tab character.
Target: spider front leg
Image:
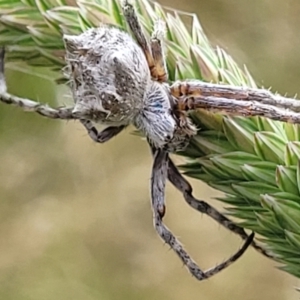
135	26
185	188
158	181
102	136
157	39
190	88
197	88
153	52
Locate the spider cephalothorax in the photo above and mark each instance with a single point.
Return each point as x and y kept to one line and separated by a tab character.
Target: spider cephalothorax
118	81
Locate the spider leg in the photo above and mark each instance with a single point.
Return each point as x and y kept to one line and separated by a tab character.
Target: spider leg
135	26
191	88
156	41
102	136
63	113
2	78
198	88
185	188
158	180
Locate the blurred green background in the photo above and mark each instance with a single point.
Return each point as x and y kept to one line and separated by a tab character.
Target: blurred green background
75	217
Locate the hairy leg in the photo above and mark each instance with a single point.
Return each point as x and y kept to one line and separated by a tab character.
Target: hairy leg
64	113
194	88
234	99
185	188
135	26
102	136
158	180
157	39
2	77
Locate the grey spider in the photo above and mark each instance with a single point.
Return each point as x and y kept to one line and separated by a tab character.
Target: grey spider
118	81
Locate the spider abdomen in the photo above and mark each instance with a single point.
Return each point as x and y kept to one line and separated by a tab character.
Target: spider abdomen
108	74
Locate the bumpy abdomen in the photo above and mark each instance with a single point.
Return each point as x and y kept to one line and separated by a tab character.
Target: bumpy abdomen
108	74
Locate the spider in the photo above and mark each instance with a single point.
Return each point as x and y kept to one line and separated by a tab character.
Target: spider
118	81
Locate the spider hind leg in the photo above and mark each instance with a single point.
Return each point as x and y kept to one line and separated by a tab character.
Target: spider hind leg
158	180
176	178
